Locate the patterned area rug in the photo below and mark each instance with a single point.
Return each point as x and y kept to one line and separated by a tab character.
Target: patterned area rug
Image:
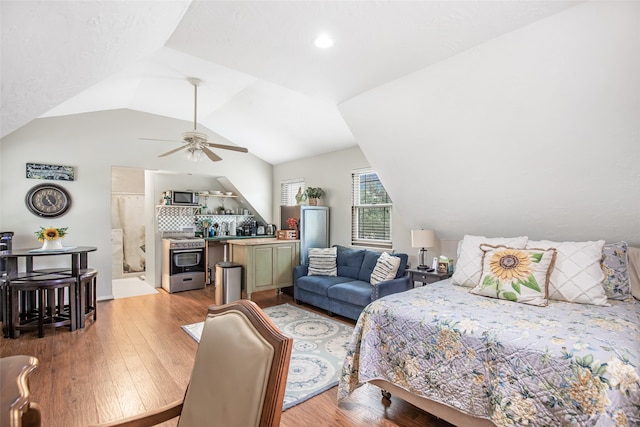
319	347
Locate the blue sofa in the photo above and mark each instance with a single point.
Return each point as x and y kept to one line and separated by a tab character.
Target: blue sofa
350	291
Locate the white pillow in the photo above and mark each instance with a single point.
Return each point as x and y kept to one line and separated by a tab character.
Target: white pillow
577	276
385	269
634	271
469	265
322	262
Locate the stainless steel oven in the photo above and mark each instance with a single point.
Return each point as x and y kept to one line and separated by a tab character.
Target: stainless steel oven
183	264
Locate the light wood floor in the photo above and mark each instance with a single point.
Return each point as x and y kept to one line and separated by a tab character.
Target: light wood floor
136	357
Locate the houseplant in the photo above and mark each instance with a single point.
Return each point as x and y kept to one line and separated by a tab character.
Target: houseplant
313	194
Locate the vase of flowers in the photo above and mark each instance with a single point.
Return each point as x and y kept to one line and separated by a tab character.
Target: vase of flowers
51	238
292	223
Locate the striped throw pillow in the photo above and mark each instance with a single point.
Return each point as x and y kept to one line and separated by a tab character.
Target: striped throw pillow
385	269
322	262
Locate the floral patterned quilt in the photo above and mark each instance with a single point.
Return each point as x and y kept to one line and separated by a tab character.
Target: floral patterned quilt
515	364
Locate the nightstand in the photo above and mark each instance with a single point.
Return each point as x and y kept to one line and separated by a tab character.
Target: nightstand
425	277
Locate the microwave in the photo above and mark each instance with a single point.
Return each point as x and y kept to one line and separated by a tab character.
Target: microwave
184	197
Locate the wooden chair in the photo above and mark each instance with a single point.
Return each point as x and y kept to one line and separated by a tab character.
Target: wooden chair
17	408
239	375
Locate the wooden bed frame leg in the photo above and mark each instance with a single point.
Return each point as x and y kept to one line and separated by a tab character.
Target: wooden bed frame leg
385	394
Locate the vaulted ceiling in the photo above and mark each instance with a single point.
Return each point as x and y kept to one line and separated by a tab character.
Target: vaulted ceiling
265	85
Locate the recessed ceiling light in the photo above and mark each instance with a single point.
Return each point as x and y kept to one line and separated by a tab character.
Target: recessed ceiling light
323	41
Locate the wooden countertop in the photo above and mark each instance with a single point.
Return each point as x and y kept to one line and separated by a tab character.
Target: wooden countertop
260	241
230	238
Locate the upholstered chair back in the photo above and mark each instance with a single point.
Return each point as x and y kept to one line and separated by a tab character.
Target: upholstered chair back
238	372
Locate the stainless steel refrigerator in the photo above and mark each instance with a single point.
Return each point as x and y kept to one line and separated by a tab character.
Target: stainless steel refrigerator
313	226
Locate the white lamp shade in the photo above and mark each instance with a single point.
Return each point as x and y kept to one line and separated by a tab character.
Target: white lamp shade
423	238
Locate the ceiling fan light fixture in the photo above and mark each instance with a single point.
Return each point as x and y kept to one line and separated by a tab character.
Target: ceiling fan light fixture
194	154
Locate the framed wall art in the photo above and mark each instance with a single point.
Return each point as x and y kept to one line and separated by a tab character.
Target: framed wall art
52	172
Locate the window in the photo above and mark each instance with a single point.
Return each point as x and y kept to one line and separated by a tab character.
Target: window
370	212
289	189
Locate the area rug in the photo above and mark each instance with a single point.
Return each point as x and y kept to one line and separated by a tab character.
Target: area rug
319	347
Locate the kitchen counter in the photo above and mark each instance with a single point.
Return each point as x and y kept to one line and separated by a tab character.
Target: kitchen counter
225	238
267	263
266	240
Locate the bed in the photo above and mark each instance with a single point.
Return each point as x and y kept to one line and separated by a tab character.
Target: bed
473	360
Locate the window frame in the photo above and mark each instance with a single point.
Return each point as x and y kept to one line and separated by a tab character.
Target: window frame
356	208
289	195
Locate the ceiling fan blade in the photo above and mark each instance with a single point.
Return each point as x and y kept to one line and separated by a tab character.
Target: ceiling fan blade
173	151
211	155
228	147
164	140
195	140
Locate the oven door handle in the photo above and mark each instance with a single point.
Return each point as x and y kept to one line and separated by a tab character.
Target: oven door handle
181	251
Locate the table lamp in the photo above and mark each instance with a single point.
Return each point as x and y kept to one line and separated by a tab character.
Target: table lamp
423	239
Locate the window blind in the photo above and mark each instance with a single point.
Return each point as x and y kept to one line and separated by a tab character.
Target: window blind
370	212
289	189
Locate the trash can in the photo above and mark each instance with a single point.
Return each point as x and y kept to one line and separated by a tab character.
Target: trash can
228	282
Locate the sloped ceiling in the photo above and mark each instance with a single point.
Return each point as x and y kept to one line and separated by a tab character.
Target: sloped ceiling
265	85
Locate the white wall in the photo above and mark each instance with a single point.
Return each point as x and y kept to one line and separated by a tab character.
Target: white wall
332	172
93	143
536	132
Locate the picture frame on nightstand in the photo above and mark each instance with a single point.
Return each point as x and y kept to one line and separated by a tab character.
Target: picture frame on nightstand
443	267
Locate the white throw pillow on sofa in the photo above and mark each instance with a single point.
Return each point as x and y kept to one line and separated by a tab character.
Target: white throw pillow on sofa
322	262
577	276
469	265
385	269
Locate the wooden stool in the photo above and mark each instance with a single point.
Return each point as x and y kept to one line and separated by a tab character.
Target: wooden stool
88	298
39	301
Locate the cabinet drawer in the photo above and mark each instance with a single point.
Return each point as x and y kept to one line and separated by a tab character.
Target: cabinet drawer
421	277
425	278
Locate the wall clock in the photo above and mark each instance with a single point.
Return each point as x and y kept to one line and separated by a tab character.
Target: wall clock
48	200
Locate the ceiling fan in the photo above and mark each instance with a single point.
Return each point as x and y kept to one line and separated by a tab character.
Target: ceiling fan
196	143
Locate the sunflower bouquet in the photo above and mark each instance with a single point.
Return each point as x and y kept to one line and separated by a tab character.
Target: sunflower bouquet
50	233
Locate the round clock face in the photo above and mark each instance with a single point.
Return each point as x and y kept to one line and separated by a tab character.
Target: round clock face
48	200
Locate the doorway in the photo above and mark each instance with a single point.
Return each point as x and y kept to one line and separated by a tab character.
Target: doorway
128	270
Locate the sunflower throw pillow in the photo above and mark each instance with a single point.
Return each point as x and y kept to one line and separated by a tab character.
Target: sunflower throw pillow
519	275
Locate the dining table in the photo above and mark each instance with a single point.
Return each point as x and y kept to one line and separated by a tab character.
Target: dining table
78	257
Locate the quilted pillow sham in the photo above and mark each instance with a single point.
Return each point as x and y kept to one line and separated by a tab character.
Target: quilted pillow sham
385	269
469	265
577	275
322	262
633	256
518	275
616	273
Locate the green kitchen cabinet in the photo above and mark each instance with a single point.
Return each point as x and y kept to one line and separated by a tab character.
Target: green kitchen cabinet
266	263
